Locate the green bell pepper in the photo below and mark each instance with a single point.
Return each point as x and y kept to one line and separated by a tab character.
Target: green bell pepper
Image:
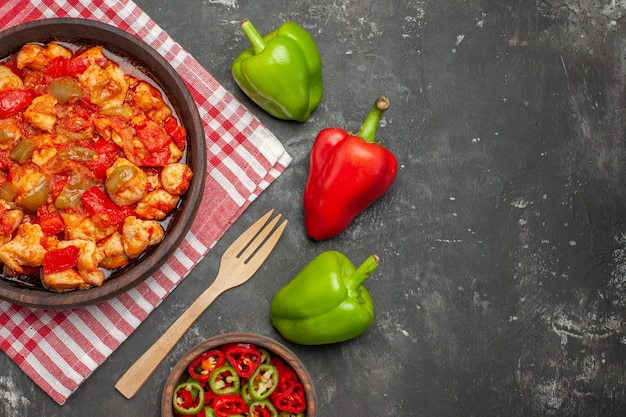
281	72
325	302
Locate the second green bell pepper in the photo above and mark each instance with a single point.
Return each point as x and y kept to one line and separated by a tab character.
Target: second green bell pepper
281	72
325	302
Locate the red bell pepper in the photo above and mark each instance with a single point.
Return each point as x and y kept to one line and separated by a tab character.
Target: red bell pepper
66	67
176	131
50	220
98	204
347	174
13	100
107	152
59	260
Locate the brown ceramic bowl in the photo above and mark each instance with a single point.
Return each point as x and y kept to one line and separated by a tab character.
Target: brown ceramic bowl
179	372
161	72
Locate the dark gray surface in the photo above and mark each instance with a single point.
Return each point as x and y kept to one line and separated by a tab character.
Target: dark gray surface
501	290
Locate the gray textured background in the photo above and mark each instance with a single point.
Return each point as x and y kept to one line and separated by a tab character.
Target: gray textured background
501	290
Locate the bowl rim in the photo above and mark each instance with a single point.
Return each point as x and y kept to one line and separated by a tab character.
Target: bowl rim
272	345
148	60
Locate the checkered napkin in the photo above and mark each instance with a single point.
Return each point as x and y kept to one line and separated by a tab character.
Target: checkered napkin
60	349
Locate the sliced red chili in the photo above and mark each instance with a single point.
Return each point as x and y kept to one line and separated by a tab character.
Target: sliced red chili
286	375
229	404
59	260
245	360
201	367
293	400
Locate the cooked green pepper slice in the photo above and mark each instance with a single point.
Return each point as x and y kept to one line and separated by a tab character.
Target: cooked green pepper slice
224	380
23	151
263	381
36	197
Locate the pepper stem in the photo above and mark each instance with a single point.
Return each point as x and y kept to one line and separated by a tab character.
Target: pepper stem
255	38
369	126
363	272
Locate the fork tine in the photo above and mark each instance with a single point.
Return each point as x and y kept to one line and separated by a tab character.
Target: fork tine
266	248
259	238
241	242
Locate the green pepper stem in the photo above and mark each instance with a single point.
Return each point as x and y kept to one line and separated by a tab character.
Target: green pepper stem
369	126
255	38
362	273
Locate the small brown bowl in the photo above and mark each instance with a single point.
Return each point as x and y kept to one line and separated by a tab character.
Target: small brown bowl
179	372
145	58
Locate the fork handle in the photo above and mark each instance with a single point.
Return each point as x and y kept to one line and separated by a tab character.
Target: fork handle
137	375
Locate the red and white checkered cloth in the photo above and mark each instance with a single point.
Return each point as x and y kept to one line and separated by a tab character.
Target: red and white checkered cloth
60	349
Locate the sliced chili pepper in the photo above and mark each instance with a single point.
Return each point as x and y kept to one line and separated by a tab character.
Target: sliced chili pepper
98	204
50	220
224	380
58	260
13	100
293	400
201	367
262	409
188	398
229	404
286	375
263	381
245	360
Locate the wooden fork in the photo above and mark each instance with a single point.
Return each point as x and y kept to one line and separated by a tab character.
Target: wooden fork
239	262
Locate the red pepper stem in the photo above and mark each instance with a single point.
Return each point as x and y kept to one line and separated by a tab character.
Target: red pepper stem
363	272
255	38
369	126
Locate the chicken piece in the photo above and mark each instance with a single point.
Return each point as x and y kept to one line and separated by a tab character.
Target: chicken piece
126	183
10	219
24	249
46	147
10	133
150	100
70	279
40	113
176	178
156	205
138	234
107	85
113	250
28	179
9	80
37	57
89	258
82	227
